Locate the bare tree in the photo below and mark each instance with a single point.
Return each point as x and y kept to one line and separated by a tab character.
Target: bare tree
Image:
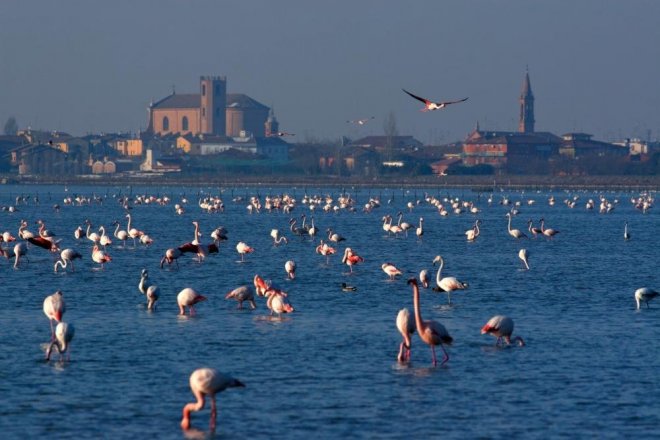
11	126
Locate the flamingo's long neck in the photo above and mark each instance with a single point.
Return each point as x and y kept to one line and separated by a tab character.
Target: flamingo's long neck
542	225
128	226
418	314
437	276
476	229
509	223
89	226
117	230
196	232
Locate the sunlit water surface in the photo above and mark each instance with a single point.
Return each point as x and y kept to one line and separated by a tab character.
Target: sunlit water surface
329	369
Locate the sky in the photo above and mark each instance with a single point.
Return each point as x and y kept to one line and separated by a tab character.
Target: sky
84	66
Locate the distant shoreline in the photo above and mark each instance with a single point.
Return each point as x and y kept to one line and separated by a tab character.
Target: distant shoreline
476	183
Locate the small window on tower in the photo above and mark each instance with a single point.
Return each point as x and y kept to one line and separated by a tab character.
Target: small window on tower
203	89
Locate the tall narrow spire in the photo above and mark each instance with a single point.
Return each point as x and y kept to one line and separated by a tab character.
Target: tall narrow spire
526	120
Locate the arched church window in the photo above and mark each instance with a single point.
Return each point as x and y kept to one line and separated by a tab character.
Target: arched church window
184	123
203	89
166	123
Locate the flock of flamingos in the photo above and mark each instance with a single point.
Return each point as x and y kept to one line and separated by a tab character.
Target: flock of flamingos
207	381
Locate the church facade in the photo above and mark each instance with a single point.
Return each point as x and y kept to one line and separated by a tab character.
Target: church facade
212	111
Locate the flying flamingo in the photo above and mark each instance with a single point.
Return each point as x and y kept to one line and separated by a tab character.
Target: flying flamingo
431	105
515	233
325	250
431	332
523	255
66	257
391	270
290	267
644	294
151	291
100	257
240	294
501	327
188	298
447	284
243	249
406	327
54	308
350	258
207	382
63	335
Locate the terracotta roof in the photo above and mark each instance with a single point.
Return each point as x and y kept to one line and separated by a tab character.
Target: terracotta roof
178	100
239	100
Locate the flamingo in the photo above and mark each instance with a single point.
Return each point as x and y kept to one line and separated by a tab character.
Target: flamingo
276	302
644	294
312	230
431	332
188	297
43	232
66	257
325	250
626	235
406	327
240	294
54	308
23	233
63	335
146	240
473	233
207	382
132	232
548	232
350	258
515	233
360	121
420	228
260	286
523	255
290	268
79	233
277	238
197	233
100	257
391	270
334	237
104	240
403	225
447	284
501	327
120	235
7	237
431	105
424	278
219	234
534	231
171	255
151	291
243	249
92	236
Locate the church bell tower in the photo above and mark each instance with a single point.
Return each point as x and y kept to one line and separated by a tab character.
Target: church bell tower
526	120
214	104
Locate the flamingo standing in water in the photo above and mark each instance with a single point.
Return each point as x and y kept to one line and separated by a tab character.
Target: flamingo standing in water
406	327
420	228
334	237
132	232
240	294
79	233
66	258
626	235
501	327
104	240
391	270
171	256
120	234
524	255
92	236
100	257
515	233
447	284
473	233
188	298
260	286
54	308
350	258
424	278
644	294
151	291
243	249
431	332
325	250
548	232
290	268
63	335
19	250
207	382
276	302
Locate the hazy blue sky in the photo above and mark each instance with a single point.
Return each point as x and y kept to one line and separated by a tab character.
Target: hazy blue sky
91	65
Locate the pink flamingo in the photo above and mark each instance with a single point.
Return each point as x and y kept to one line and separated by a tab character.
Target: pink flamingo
350	258
63	335
171	256
100	257
290	267
207	382
431	332
501	327
406	327
390	270
325	250
66	257
188	298
243	249
260	286
54	308
276	302
240	294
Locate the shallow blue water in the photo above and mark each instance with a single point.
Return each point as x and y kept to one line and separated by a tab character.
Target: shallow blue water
329	369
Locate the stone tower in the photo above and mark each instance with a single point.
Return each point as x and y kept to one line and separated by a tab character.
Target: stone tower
272	127
213	92
526	121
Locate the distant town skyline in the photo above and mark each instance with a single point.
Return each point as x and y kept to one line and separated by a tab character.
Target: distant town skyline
82	67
